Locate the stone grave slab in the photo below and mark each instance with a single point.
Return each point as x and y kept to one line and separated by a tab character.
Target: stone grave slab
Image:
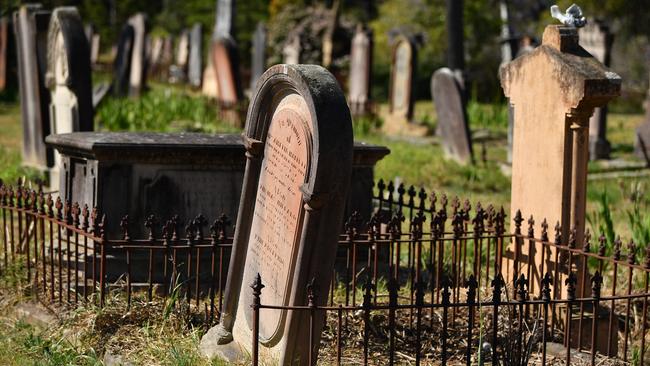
401	78
360	72
30	29
299	147
453	128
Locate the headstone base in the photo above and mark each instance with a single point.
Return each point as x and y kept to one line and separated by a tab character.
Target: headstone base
599	148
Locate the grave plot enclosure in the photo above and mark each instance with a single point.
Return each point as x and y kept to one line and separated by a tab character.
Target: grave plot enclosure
299	148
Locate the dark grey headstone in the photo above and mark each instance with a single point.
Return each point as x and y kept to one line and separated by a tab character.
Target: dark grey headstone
596	39
360	72
195	67
30	28
259	54
452	119
122	63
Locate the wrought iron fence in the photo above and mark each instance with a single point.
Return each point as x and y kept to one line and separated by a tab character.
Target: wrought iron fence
426	280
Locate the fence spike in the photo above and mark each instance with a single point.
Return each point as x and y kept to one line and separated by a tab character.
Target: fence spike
596	285
558	234
457	224
586	247
602	245
66	212
124	225
422	195
546	287
41	202
433	200
631	252
150	223
521	284
446	284
85	213
518	220
570	282
497	286
50	204
257	287
471	284
199	223
573	237
393	289
617	248
75	211
312	288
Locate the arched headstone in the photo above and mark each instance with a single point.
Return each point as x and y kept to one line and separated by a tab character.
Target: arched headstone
401	78
360	71
299	146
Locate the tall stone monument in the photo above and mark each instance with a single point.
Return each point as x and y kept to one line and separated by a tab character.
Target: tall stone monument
299	147
360	72
195	66
453	128
553	91
596	38
258	62
122	62
401	78
68	77
138	76
30	28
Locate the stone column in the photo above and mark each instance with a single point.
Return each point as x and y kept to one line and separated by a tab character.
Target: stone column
553	91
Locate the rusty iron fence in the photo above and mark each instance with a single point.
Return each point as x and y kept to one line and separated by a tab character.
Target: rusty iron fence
426	280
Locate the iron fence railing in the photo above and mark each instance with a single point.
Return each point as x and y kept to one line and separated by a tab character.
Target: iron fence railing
425	280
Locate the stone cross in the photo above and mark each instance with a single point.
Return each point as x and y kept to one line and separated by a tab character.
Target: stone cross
299	147
30	28
138	76
596	39
196	44
453	128
68	77
553	91
360	72
122	62
258	61
401	78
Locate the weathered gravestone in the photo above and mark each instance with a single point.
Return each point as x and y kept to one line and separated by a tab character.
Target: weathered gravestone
138	76
401	78
122	62
178	71
291	50
154	57
68	77
258	61
195	67
299	148
554	90
453	128
597	40
30	28
226	67
360	72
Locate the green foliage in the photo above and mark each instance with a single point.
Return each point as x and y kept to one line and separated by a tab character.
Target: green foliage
163	110
487	116
601	220
638	218
365	125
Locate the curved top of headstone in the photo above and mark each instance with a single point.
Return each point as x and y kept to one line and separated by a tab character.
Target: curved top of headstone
66	22
331	124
